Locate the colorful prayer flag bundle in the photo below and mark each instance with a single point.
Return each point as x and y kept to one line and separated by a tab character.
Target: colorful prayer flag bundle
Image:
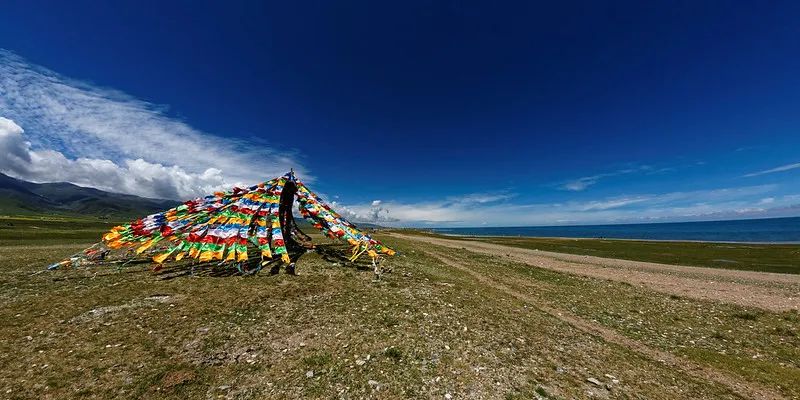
224	225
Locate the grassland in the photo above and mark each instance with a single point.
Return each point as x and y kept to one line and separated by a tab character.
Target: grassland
443	323
49	230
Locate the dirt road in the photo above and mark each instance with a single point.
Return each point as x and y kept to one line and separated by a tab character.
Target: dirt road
769	291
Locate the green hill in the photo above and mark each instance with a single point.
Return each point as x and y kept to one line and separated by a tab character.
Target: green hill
18	197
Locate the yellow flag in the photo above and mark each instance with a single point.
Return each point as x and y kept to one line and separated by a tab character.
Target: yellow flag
207	255
110	236
161	257
144	247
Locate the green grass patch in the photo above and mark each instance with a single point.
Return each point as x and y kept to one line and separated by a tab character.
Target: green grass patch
47	230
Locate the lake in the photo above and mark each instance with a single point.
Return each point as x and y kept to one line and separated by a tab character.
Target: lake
751	230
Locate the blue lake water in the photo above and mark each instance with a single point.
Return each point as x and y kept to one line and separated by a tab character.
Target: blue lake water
751	230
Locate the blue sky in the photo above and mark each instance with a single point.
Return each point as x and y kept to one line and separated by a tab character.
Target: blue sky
416	113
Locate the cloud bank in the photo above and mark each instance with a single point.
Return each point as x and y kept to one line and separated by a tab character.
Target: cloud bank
713	204
58	129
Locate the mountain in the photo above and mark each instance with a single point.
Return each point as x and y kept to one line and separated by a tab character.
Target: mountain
18	197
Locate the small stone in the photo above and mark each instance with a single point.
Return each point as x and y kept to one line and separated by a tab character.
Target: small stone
594	382
224	387
29	337
612	377
360	362
373	383
448	396
310	374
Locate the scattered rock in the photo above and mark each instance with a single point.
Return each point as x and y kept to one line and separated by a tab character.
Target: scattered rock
224	387
448	396
613	378
360	362
159	298
594	382
309	374
374	384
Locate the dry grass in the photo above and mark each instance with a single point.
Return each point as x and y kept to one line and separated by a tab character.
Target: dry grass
424	331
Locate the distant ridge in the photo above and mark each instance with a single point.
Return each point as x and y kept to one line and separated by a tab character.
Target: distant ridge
19	197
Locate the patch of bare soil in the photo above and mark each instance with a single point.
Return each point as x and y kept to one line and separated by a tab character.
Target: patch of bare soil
176	378
100	312
765	290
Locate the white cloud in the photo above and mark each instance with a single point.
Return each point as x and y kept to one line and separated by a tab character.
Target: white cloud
612	203
15	150
133	176
721	203
100	137
448	210
481	198
580	184
373	212
773	170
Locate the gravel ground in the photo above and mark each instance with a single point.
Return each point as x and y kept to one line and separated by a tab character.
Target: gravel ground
765	290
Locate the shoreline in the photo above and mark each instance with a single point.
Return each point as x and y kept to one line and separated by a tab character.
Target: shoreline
621	239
